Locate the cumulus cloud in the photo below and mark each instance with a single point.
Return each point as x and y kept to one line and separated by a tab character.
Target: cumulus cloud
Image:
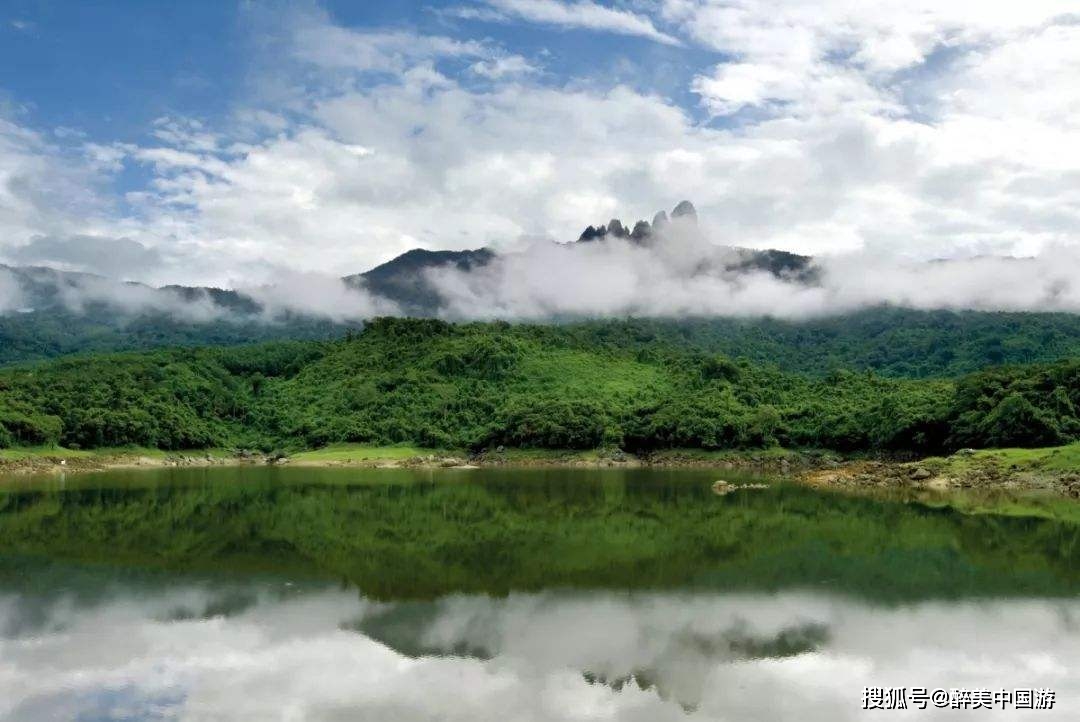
44	188
894	130
836	56
839	163
681	655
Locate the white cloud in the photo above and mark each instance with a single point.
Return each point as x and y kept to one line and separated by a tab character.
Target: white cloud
329	46
681	275
11	296
790	92
294	655
896	129
44	189
790	47
583	14
501	67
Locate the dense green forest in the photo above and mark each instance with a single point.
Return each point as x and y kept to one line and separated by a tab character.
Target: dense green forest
895	342
479	386
892	342
57	332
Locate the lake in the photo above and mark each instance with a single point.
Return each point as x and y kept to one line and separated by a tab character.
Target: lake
269	593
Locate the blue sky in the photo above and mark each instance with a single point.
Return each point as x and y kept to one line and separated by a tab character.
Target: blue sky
227	142
110	68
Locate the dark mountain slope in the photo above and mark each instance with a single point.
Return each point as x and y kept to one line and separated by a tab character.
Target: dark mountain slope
403	279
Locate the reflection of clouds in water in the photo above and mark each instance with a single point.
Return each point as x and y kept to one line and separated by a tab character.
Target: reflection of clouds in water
268	655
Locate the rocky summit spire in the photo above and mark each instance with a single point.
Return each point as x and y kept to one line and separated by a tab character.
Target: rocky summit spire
592	233
686	210
615	228
641	231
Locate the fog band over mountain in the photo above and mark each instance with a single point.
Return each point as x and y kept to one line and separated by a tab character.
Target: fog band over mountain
671	267
307	294
10	292
675	268
548	280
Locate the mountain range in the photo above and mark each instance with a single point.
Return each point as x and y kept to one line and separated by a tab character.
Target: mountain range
55	313
403	281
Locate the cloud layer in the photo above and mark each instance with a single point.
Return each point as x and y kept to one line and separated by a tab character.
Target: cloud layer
680	272
886	130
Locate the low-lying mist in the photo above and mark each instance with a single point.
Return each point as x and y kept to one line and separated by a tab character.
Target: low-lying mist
683	274
10	292
673	270
306	294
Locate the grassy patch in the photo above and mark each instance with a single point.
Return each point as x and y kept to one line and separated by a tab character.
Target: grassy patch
59	452
1058	458
1047	459
364	452
45	452
774	453
526	456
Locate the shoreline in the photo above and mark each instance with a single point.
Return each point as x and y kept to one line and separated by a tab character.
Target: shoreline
1054	469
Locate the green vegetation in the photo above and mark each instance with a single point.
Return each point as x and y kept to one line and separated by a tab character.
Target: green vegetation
430	384
399	534
361	452
55	331
106	453
1029	505
1049	459
55	452
893	342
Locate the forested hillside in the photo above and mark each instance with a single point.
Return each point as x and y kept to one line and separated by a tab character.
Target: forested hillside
481	385
53	333
891	341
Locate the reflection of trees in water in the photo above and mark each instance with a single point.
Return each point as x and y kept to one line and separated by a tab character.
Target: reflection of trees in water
507	531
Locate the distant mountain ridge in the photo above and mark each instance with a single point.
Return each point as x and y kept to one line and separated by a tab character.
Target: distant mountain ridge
43	288
56	313
403	280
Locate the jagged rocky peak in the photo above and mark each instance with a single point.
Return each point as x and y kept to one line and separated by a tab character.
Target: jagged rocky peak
683	213
592	233
642	230
615	228
685	210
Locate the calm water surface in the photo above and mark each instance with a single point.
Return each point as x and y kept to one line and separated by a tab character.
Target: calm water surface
299	594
